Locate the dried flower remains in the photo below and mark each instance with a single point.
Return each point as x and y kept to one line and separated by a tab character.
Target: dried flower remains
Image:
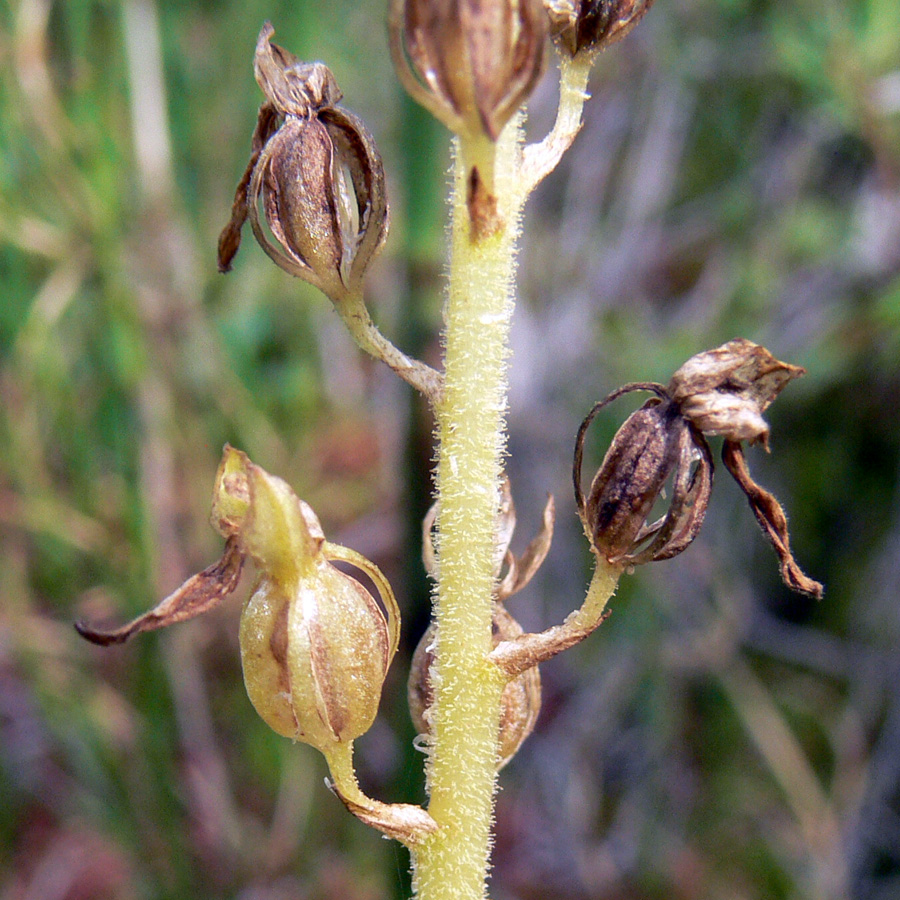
316	171
722	392
587	26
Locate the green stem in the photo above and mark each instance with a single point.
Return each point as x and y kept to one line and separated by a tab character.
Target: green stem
451	864
527	650
539	160
352	309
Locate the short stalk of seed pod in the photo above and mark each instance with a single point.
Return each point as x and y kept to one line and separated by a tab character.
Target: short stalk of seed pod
355	316
540	159
404	822
521	653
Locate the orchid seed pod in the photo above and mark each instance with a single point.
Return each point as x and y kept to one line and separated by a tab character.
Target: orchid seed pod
317	174
721	392
315	644
587	26
470	63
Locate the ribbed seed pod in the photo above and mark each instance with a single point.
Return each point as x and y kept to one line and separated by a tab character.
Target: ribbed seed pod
520	703
317	173
471	63
315	645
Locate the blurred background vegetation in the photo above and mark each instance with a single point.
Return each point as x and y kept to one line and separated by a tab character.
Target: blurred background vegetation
718	738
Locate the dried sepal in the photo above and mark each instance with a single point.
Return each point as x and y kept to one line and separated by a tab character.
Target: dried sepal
691	491
403	822
267	122
199	594
339	553
471	64
293	87
772	521
726	390
519	569
587	26
577	464
505	525
315	172
365	231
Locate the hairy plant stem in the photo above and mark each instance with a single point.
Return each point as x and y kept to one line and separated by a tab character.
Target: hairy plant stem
451	864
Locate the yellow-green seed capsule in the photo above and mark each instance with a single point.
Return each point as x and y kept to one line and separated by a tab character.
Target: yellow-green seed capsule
315	645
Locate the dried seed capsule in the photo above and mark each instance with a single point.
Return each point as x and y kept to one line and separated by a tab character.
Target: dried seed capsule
471	63
587	26
640	459
317	173
719	392
315	645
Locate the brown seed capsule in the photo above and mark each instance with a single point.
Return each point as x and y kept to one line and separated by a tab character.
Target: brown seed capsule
471	63
586	26
720	392
635	469
317	173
